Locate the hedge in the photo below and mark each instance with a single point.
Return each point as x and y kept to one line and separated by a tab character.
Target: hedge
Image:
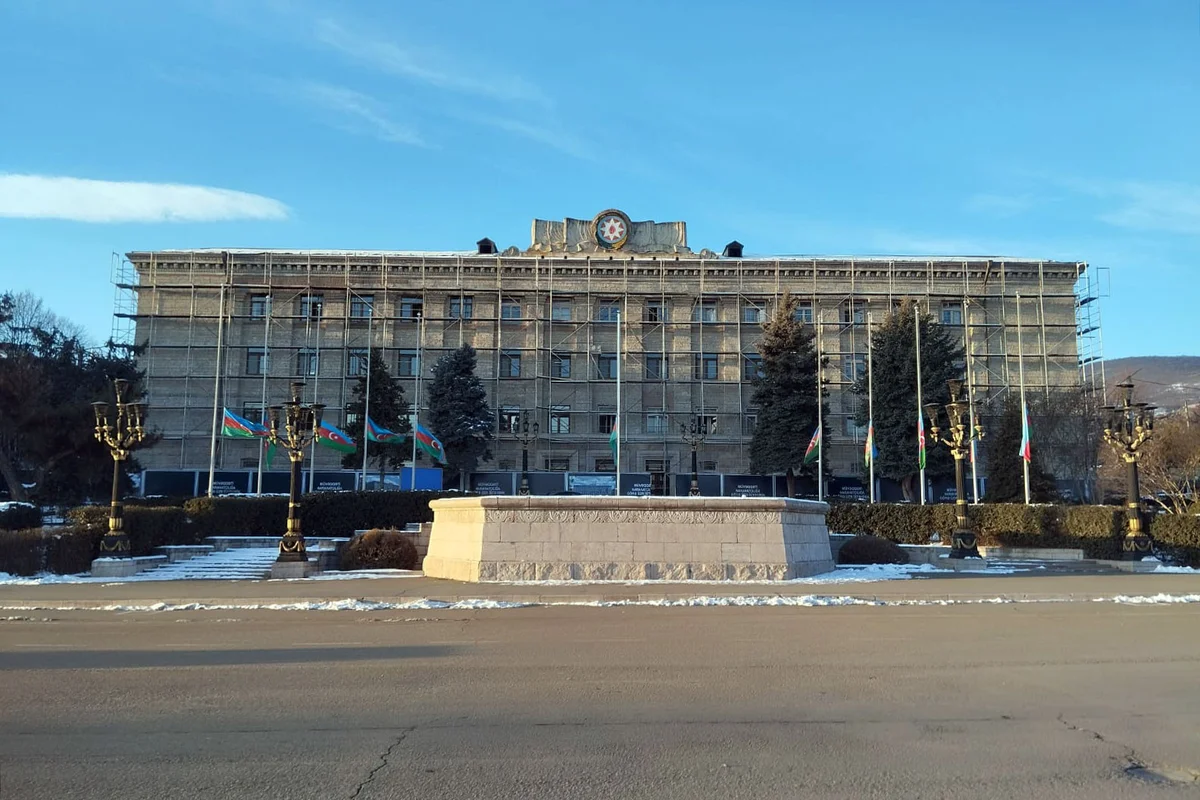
148	527
239	516
65	551
378	549
18	516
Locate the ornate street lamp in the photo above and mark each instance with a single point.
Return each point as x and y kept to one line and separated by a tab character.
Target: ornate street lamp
963	543
526	437
300	425
118	434
694	435
1129	427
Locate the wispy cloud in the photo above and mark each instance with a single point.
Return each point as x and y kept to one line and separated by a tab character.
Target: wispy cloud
423	65
86	200
355	112
551	136
1168	207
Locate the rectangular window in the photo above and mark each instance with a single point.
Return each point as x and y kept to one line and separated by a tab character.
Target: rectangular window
749	424
357	366
753	312
560	365
853	429
705	311
706	423
854	365
411	308
704	367
752	367
256	361
306	362
505	464
854	312
311	306
557	464
350	419
605	465
608	310
510	419
606	365
462	307
655	465
952	313
656	422
254	413
605	422
656	365
708	466
560	419
560	310
260	305
361	305
510	364
406	367
804	313
510	308
656	311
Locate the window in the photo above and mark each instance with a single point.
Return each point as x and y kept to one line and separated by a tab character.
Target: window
462	307
605	465
362	305
260	305
853	429
656	465
510	308
706	423
257	362
311	306
254	413
557	464
854	365
350	419
804	313
705	311
306	362
655	311
506	464
705	367
606	364
605	422
656	366
753	312
560	311
406	367
854	312
749	423
411	308
510	419
608	311
752	367
510	364
560	419
708	466
656	422
952	313
560	365
357	365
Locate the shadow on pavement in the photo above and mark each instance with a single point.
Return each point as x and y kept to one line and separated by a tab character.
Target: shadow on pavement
131	659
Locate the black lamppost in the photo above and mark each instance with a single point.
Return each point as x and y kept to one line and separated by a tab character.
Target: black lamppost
694	435
1129	427
963	543
526	437
300	425
118	434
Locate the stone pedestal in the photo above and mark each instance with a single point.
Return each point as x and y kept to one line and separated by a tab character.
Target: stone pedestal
124	567
627	538
294	569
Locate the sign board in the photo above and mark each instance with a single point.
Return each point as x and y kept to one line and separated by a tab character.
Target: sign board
635	484
710	485
492	483
224	483
748	486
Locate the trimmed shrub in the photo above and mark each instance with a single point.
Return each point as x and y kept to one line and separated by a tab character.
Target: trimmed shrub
239	516
905	523
148	527
21	552
380	549
68	551
865	549
343	513
1177	535
19	516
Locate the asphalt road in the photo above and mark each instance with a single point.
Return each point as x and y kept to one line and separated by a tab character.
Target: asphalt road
1053	700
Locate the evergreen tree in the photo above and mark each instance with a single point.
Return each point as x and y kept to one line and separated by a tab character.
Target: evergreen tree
1005	468
894	353
388	409
459	414
785	395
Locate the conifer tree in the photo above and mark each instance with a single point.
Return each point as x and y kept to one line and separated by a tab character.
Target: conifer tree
1005	467
459	414
389	409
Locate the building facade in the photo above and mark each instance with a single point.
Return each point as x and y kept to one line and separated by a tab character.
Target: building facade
233	328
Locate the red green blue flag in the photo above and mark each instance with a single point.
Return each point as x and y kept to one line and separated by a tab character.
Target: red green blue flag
240	427
1026	448
921	439
614	438
870	452
375	433
335	439
814	447
428	442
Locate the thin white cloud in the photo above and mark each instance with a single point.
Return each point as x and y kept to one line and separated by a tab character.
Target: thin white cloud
552	137
1168	207
423	65
86	200
357	112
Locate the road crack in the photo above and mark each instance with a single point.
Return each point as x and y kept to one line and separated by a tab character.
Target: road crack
383	761
1136	765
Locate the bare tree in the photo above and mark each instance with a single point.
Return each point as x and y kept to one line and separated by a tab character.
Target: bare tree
26	315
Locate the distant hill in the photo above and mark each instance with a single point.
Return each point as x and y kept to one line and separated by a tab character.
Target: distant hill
1169	382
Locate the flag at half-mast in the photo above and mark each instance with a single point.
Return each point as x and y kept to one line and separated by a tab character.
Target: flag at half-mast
335	439
814	447
428	442
614	438
870	452
1026	446
376	433
921	439
240	427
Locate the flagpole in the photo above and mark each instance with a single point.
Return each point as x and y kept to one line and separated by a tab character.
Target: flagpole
367	395
212	446
820	418
920	411
265	369
871	405
971	406
312	458
618	416
1021	373
417	400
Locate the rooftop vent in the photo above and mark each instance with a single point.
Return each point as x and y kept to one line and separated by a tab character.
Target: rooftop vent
732	250
486	247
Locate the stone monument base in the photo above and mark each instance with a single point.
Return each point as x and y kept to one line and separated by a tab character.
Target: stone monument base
627	538
294	569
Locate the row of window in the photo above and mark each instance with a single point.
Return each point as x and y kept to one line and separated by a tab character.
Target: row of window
463	307
563	464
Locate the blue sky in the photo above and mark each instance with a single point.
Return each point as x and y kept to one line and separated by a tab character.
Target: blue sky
1053	129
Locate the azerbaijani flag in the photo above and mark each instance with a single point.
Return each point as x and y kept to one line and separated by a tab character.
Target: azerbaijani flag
382	435
240	427
335	439
428	442
921	439
814	447
1026	450
870	452
613	439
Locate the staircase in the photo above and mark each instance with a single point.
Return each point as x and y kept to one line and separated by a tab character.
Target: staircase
242	563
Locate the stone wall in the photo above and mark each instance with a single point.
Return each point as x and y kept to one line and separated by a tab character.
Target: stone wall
627	538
